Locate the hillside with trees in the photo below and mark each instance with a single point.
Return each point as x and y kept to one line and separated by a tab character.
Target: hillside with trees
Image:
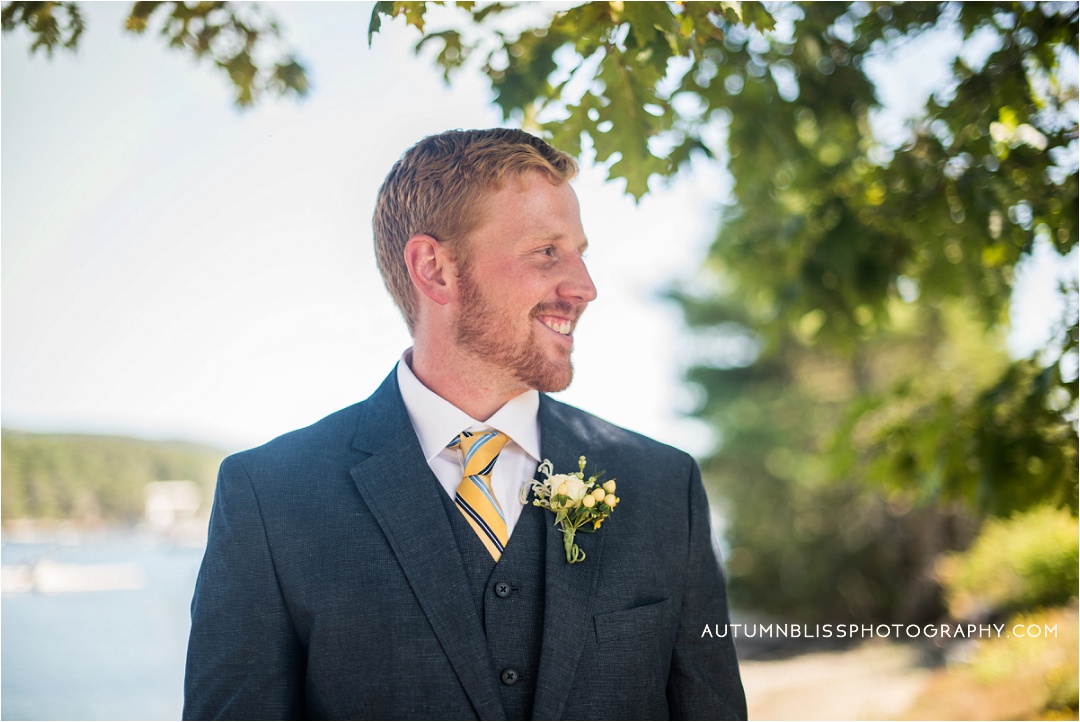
94	479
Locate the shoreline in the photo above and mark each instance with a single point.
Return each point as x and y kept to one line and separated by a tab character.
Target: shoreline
67	532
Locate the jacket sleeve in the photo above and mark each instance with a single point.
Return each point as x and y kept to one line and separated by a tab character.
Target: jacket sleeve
244	658
704	679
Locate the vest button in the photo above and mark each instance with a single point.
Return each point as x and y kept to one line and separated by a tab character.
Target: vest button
503	589
509	676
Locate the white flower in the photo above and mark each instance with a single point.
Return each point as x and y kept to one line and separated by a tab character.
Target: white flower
556	480
575	488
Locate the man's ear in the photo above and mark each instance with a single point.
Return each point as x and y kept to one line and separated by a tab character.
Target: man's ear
430	268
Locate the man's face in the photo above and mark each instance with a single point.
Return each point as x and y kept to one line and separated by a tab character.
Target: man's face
525	284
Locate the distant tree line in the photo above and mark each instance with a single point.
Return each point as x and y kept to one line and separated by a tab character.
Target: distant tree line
94	478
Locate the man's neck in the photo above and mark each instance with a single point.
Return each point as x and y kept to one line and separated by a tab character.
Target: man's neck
473	391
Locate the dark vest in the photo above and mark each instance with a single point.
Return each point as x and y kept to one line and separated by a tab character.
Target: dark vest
509	598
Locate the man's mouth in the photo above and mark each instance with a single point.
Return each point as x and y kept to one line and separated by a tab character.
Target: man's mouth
558	325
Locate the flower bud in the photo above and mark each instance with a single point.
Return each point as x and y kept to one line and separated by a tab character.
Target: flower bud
599	494
611	500
589	501
609	486
562	488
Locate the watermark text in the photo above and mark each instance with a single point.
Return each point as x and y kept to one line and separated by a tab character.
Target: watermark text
871	631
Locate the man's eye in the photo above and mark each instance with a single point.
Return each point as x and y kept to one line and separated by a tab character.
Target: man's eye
548	250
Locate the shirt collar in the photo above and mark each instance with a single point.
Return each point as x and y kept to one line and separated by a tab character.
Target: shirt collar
437	421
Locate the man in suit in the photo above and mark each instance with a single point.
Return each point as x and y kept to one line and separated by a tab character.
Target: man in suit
366	567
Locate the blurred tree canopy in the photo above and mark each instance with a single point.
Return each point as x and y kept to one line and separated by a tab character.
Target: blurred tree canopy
849	319
237	38
833	231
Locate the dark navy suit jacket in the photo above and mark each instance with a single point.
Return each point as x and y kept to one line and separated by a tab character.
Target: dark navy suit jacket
332	586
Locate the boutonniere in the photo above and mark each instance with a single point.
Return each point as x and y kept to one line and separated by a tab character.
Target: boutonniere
578	503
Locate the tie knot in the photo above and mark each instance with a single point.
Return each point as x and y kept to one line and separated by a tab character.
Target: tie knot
479	450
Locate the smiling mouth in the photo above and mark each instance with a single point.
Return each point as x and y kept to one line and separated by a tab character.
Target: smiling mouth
559	316
561	326
557	325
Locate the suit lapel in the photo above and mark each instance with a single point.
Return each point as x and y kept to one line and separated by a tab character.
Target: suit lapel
397	485
569	587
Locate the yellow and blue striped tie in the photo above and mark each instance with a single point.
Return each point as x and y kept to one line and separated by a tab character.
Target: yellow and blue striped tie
475	498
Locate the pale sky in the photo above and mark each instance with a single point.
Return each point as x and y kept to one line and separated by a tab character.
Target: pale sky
175	268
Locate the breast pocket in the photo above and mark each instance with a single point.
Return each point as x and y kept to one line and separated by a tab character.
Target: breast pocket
646	620
632	655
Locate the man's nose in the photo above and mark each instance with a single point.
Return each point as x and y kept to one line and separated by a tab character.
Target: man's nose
578	285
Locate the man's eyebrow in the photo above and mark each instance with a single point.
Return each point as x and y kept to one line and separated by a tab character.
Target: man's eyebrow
557	236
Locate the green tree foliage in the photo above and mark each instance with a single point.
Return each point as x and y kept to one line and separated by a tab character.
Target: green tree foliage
853	308
806	540
1025	572
51	24
237	38
94	478
1026	562
1011	676
617	94
830	227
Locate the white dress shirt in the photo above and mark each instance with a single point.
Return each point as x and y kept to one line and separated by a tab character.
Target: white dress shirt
437	421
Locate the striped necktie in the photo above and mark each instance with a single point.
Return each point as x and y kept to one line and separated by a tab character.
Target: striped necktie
475	498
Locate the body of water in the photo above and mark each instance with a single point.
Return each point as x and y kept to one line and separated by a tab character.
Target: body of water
96	655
